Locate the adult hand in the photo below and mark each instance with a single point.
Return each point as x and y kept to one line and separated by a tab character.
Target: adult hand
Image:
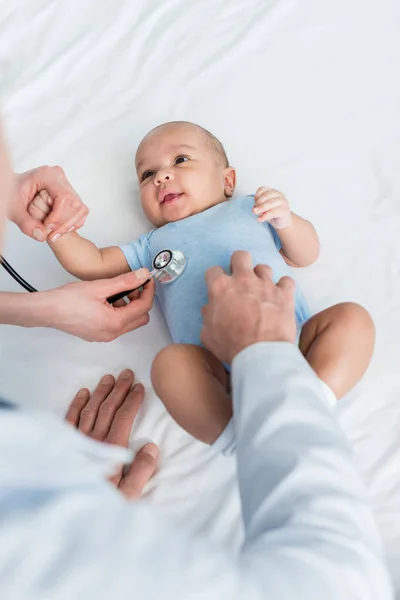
82	309
107	416
246	307
67	210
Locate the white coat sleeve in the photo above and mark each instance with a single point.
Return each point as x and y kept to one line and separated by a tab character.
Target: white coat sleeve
309	531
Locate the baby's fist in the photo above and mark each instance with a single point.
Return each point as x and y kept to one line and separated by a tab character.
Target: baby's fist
40	206
272	206
67	213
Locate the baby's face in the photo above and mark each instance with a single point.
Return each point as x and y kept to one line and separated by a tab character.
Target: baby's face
179	174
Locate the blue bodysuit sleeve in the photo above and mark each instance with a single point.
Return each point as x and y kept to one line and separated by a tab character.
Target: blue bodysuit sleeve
270	228
137	253
275	236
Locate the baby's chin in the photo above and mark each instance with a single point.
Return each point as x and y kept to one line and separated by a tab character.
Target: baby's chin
171	216
170	213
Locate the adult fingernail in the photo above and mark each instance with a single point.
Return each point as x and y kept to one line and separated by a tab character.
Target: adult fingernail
82	393
126	373
107	379
141	273
50	228
38	234
56	237
151	449
71	229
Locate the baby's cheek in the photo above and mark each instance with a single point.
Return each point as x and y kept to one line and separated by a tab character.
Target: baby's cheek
152	211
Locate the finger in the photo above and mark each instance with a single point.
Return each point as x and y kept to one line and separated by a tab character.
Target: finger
67	224
122	422
36	212
88	414
134	295
44	194
125	282
268	192
45	198
272	195
265	206
132	325
76	406
119	303
287	286
274	213
140	472
32	227
241	263
262	190
214	277
139	308
263	272
41	201
109	407
64	199
131	298
117	477
80	223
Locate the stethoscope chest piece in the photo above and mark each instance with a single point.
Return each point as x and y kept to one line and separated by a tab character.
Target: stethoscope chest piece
168	265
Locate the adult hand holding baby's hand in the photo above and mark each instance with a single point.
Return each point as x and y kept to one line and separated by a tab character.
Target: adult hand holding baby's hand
246	308
272	206
46	203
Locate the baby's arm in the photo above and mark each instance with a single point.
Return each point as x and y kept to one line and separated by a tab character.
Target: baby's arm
300	243
84	260
79	256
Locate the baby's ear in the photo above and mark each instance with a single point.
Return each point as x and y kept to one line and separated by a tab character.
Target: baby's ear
229	181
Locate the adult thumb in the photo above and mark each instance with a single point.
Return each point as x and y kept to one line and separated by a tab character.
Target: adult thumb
125	283
140	472
32	227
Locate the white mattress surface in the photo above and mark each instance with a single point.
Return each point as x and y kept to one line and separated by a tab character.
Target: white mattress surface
305	95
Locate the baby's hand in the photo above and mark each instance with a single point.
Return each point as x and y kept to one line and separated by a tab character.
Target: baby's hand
272	206
42	205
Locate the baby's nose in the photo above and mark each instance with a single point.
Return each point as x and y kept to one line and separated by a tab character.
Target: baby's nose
163	175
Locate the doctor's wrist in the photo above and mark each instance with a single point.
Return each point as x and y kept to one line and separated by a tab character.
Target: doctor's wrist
25	310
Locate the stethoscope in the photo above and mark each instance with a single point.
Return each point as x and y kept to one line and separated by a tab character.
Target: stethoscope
168	265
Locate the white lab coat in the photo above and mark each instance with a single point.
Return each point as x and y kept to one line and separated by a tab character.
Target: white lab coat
66	534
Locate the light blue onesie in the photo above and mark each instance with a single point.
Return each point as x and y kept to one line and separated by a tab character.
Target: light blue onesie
208	239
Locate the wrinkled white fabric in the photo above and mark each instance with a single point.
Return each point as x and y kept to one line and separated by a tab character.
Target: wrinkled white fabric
305	96
309	531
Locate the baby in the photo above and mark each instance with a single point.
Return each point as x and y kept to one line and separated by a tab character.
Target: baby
187	192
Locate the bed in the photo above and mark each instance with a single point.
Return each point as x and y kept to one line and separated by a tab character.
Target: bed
305	96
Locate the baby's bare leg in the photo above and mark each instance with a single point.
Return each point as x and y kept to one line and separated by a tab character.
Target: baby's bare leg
338	343
193	385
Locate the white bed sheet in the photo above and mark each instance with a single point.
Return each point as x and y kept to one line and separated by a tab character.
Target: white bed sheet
305	95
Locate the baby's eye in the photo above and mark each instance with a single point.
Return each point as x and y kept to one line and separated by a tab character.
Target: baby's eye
181	159
146	175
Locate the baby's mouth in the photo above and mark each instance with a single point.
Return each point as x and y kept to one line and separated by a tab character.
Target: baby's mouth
169	198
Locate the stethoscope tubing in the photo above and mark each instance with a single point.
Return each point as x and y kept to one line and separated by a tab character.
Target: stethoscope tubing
111	300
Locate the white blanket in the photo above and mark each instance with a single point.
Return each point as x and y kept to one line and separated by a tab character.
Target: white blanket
305	96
